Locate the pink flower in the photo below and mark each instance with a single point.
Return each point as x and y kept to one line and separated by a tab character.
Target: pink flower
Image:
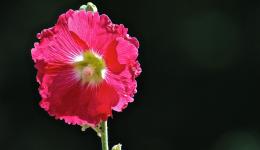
86	68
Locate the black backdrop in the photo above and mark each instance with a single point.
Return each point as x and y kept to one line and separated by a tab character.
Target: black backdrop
199	89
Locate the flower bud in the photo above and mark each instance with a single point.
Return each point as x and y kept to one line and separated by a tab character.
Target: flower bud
117	147
89	7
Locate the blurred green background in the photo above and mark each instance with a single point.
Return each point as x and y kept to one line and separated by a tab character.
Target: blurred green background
199	89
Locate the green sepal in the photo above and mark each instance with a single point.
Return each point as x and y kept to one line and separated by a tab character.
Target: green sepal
97	129
84	127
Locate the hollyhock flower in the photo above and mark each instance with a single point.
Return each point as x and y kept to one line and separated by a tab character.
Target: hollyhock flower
86	67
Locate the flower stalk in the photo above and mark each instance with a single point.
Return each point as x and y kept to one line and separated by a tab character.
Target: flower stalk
104	135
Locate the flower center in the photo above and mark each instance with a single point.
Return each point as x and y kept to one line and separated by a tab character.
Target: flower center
91	67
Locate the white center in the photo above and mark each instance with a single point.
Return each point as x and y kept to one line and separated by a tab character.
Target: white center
78	58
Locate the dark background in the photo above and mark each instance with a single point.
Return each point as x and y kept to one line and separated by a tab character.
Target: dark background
199	89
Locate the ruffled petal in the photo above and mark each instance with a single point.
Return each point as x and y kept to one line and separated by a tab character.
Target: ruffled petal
67	98
124	68
126	51
120	53
111	58
97	30
125	84
57	44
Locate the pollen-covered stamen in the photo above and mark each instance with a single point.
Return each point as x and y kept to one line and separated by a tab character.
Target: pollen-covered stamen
90	67
88	71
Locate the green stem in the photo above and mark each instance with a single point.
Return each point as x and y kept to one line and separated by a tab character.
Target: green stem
104	135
